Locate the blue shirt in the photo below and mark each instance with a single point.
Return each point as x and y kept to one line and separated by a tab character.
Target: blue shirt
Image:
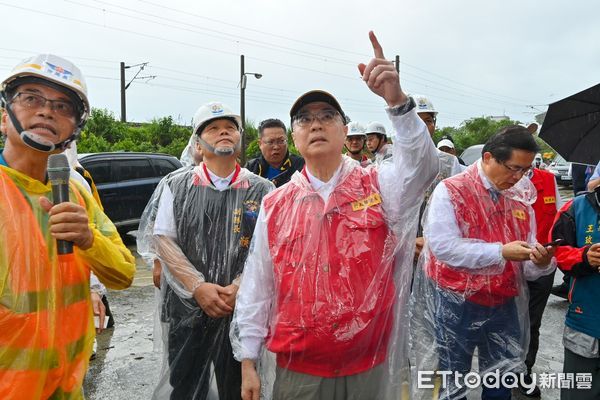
2	160
273	172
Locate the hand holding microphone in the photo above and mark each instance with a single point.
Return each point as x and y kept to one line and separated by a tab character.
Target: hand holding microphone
68	221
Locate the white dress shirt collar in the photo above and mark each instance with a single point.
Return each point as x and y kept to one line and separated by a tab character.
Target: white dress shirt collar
220	183
324	189
486	182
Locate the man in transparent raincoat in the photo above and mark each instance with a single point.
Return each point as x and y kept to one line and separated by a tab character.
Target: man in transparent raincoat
470	290
325	285
201	233
449	165
46	325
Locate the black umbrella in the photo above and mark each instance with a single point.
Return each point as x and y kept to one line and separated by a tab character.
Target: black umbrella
572	126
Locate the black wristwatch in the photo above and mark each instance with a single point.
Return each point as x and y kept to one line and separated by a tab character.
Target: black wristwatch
397	111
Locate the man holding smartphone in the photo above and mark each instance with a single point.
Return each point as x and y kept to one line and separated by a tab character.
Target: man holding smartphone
480	248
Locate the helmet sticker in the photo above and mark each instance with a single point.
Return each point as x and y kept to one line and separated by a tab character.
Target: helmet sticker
217	109
58	71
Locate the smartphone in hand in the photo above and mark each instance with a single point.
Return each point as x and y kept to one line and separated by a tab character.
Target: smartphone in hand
556	242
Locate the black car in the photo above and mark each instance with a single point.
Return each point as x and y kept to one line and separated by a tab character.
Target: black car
126	181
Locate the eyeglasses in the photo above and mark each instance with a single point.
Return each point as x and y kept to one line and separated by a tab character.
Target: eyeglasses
326	117
515	170
35	102
278	142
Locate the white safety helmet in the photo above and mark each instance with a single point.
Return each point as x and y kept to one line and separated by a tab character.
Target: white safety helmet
211	111
57	73
423	104
53	69
356	129
376	127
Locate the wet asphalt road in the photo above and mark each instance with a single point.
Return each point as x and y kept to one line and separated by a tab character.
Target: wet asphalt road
127	367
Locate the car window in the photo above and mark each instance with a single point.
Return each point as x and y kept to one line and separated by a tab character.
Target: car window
163	167
472	154
559	160
134	168
99	170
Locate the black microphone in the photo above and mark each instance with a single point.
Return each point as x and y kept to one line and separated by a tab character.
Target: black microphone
58	174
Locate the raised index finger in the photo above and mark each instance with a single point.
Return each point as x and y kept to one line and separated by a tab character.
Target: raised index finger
377	50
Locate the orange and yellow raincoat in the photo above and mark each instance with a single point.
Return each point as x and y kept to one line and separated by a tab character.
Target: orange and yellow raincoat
46	324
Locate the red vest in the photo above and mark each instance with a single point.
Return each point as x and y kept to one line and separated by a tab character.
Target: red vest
545	205
333	275
503	221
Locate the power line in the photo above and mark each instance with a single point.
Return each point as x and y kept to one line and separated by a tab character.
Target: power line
213	32
231	53
212	49
270	34
293	51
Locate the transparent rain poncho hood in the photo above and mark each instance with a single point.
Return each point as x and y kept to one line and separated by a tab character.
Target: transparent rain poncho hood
187	155
199	234
324	289
465	295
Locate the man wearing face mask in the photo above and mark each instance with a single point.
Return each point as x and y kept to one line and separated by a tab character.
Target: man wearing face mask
201	234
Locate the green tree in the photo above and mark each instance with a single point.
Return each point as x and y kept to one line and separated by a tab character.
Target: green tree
103	123
104	133
473	131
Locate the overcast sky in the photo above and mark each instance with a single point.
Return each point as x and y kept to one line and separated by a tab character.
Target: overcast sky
471	58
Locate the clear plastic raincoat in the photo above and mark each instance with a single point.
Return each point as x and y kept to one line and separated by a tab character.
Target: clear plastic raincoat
187	155
325	287
199	234
46	325
449	166
384	153
465	295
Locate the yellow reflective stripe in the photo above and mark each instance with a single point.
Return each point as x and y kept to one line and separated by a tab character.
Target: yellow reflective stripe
27	359
29	302
25	302
21	359
77	347
75	293
59	394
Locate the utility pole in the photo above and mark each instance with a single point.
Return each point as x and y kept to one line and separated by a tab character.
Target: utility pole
243	80
398	64
243	109
123	112
124	86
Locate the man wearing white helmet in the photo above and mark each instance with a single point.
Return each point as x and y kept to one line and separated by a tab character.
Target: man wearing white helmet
449	164
355	143
538	162
201	234
447	146
47	333
377	142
